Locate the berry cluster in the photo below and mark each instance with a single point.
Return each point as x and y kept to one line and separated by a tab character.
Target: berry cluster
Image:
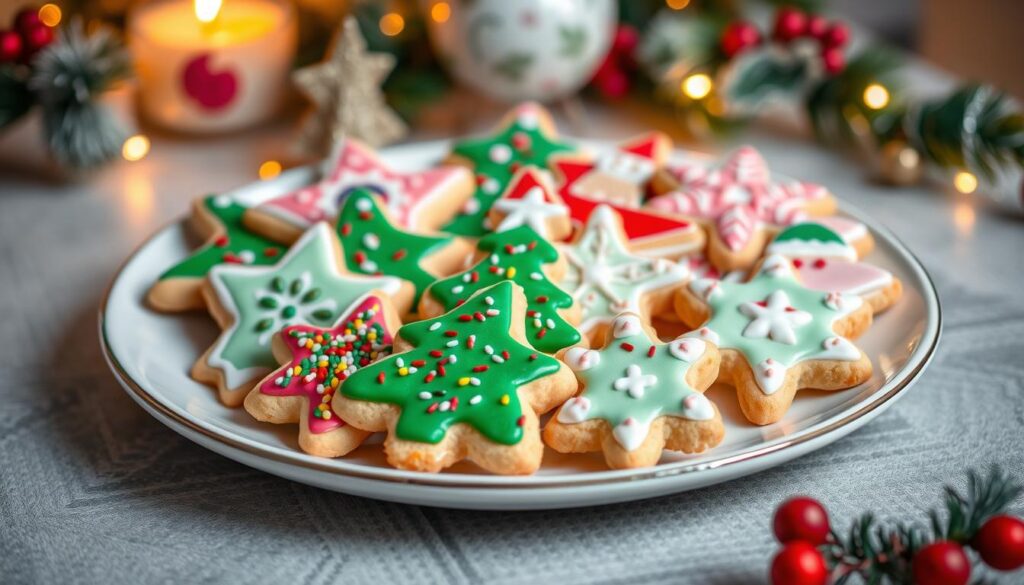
813	554
791	25
28	36
612	77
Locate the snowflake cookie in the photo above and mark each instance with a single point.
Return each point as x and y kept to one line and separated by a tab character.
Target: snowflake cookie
252	303
464	385
605	278
777	336
739	202
315	361
639	396
418	201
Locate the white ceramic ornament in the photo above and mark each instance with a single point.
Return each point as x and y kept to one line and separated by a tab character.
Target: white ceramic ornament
524	49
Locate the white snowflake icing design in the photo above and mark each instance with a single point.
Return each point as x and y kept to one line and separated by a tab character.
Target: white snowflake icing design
774	318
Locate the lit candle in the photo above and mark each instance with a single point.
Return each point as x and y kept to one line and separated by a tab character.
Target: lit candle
207	67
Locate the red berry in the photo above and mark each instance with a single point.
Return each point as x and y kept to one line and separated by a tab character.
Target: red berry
1000	542
817	26
836	36
612	83
834	60
626	39
10	46
27	19
36	38
737	36
801	518
799	563
941	563
790	23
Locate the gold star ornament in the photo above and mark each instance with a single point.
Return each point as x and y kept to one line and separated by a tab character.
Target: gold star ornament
346	95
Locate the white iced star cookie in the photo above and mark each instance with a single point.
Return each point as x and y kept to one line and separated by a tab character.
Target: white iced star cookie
777	336
640	396
606	278
530	200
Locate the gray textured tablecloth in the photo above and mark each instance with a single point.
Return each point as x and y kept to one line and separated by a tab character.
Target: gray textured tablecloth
94	490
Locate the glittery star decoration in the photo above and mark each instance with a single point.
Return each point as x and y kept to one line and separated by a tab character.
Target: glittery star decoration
606	279
642	394
777	336
345	91
412	198
742	202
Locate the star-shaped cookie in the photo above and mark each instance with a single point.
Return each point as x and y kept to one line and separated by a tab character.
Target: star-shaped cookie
252	303
219	219
464	385
639	396
606	279
620	176
416	200
525	136
777	336
315	362
740	203
530	200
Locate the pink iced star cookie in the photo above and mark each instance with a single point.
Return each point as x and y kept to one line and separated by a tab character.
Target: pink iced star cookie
739	202
418	201
315	363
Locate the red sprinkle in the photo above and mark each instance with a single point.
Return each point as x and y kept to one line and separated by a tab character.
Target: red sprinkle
380	378
819	263
451	333
542	333
650	351
479	316
533	356
431	408
493	269
399	254
626	346
459	303
542	299
271	252
531	245
430	377
465	318
418	363
479	368
359	257
221	241
509	248
455	402
346	228
365	215
436	353
504	354
474	276
521	420
470	342
440	369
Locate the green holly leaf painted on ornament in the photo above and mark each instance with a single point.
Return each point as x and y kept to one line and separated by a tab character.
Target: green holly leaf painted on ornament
759	75
513	66
573	39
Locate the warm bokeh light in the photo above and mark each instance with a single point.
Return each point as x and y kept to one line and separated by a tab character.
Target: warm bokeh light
441	12
964	218
965	182
697	86
50	14
876	96
677	4
206	10
392	24
135	148
269	170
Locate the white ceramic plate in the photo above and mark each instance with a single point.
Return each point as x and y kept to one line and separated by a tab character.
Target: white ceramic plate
151	354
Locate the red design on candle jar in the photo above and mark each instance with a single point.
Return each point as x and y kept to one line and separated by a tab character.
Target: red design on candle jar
210	90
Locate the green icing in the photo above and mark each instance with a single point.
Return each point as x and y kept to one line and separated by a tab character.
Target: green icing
374	246
303	288
808	232
659	377
237	245
755	319
478	388
518	255
495	159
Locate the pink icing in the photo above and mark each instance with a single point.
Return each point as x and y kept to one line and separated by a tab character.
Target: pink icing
827	274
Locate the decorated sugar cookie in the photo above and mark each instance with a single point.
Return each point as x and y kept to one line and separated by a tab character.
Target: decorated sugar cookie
418	200
639	396
218	218
463	385
530	200
525	136
374	246
741	204
619	176
649	232
606	279
826	262
315	362
777	336
523	257
252	303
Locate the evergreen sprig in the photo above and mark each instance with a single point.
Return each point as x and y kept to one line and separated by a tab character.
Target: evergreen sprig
883	552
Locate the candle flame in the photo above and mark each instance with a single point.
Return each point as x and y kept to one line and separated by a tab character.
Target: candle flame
206	10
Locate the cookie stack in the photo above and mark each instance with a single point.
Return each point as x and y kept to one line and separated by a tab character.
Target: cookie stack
452	307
